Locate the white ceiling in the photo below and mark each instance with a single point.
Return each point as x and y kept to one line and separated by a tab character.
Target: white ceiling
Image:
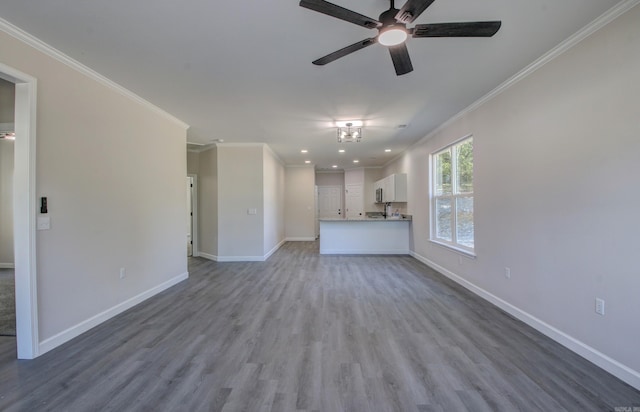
241	71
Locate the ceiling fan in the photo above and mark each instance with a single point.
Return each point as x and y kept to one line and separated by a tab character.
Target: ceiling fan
393	31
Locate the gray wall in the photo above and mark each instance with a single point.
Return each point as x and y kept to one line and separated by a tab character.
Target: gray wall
556	198
207	170
240	188
274	195
233	178
111	204
6	203
300	203
193	162
7	101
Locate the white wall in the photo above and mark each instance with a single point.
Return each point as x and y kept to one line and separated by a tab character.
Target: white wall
111	204
556	199
240	188
329	178
274	192
207	171
300	203
6	203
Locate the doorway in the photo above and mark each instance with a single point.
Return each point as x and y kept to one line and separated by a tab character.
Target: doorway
329	204
192	215
24	211
7	265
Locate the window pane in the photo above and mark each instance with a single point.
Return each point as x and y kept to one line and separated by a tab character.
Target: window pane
464	221
465	166
443	173
443	219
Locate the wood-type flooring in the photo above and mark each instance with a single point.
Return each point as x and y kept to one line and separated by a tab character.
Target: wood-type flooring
305	332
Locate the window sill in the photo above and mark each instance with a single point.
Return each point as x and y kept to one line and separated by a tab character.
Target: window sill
458	250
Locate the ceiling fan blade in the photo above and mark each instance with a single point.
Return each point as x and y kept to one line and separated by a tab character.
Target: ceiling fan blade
401	59
412	9
345	51
341	13
467	29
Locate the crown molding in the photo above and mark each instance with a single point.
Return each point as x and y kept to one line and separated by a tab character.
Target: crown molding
604	19
54	53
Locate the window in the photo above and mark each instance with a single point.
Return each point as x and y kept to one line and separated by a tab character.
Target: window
452	197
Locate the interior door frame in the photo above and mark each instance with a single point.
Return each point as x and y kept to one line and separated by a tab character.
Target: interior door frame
340	190
194	219
24	211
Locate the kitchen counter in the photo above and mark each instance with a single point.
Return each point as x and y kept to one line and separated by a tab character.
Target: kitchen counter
367	219
365	236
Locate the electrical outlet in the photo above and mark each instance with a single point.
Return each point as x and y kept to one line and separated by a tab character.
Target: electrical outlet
600	306
507	273
123	273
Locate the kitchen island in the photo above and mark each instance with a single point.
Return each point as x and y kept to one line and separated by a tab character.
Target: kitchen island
366	236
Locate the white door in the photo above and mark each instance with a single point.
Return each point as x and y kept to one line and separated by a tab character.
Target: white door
189	215
354	201
330	202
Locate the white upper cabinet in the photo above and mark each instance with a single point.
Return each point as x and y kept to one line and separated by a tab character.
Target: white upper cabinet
394	188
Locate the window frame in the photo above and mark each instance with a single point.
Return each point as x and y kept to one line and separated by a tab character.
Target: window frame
453	196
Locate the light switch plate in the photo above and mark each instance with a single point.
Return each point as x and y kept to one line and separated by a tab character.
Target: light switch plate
252	211
44	223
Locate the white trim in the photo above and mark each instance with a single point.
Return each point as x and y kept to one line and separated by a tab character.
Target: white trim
24	211
300	239
50	51
275	248
74	331
364	252
241	259
241	144
208	256
452	248
194	218
7	266
606	18
274	154
612	366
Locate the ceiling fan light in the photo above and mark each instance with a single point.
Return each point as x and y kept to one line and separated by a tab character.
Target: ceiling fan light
392	36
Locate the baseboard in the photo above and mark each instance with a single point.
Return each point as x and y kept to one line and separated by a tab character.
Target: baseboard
300	239
208	256
272	251
7	266
243	258
612	366
363	252
74	331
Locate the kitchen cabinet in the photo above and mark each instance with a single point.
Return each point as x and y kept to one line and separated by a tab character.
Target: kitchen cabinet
394	188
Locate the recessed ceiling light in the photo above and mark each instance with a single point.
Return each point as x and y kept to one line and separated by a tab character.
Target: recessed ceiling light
307	161
387	150
341	151
356	161
304	151
335	166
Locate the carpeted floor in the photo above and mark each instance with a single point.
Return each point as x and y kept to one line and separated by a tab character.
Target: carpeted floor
7	306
